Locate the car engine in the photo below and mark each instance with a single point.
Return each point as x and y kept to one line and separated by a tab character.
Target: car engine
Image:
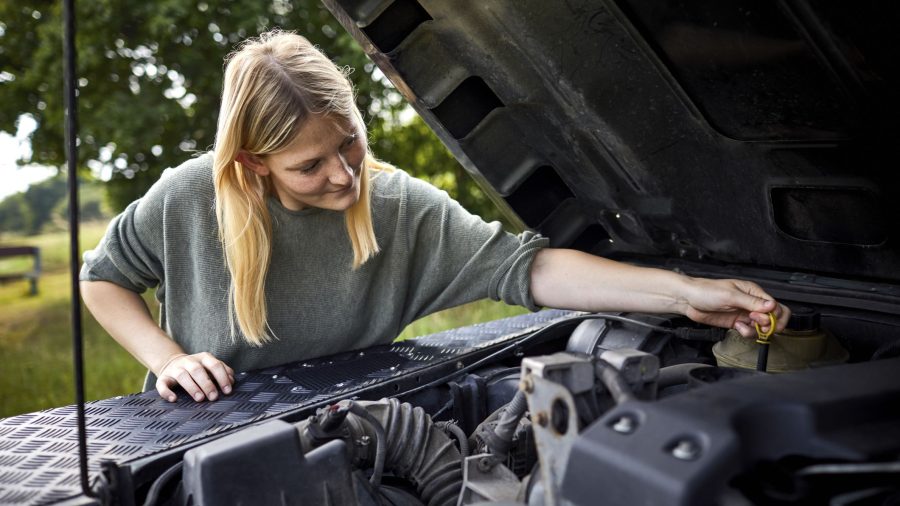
593	409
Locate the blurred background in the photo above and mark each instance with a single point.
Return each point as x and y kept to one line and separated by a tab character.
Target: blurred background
149	79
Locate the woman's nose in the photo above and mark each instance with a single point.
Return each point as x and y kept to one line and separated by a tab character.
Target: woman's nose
341	173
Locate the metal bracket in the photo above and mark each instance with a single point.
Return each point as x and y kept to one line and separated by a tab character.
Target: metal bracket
486	479
549	383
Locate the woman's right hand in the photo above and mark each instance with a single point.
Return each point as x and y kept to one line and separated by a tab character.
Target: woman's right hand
198	374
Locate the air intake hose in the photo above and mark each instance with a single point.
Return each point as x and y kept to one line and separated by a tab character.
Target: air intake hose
417	450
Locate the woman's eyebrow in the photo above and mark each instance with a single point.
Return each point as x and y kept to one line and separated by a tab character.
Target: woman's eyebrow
301	163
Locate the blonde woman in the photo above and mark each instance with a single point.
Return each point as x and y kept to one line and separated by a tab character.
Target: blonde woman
291	241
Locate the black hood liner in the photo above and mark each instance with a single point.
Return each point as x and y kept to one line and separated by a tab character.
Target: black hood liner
737	131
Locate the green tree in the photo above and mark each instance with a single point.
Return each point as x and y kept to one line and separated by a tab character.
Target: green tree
42	198
150	75
29	211
15	215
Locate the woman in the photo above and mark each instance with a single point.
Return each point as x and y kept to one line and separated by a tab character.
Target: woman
292	241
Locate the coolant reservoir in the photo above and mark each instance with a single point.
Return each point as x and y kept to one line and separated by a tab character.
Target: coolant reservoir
802	344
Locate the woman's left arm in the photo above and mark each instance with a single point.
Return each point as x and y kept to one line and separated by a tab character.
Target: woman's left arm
571	279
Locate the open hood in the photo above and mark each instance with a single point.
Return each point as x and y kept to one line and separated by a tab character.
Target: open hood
719	132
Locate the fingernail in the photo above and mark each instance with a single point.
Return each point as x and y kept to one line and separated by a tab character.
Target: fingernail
198	396
226	389
171	398
213	396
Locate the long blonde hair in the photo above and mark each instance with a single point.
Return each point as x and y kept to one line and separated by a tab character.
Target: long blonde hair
272	85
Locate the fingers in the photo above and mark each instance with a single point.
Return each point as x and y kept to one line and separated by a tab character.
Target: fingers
744	329
220	373
164	388
200	375
782	315
751	297
759	303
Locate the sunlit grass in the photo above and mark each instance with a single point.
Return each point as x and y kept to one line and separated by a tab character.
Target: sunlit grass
36	336
36	370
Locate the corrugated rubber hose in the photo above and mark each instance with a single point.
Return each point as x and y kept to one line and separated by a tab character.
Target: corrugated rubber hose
419	451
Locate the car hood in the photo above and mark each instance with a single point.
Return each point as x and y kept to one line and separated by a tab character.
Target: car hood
746	133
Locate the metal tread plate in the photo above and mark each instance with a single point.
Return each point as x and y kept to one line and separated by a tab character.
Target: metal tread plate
39	451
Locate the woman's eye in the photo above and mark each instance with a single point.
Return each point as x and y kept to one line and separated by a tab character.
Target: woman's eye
309	168
350	140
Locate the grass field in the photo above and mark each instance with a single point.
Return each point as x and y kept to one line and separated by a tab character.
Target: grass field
36	370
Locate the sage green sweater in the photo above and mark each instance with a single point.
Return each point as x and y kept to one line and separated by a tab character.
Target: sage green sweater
434	255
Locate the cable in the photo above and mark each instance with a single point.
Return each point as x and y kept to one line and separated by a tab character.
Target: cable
444	408
458	434
500	438
380	441
159	483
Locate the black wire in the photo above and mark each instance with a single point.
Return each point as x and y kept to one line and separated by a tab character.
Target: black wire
71	100
159	483
444	408
380	441
451	428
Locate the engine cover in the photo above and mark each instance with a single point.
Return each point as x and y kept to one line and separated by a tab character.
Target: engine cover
701	446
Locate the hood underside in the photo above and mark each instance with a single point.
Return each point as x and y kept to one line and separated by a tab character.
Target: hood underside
746	132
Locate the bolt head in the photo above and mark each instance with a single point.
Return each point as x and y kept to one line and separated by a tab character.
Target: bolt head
541	418
686	450
624	425
527	385
485	464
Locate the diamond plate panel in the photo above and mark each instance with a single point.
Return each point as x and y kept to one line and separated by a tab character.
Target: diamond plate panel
39	451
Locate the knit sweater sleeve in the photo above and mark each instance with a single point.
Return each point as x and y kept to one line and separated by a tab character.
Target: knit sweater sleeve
457	257
131	253
126	255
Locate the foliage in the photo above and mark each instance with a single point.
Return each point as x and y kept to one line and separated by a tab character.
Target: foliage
150	76
15	214
27	212
44	205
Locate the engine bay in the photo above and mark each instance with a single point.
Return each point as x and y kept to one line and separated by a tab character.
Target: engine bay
553	407
590	409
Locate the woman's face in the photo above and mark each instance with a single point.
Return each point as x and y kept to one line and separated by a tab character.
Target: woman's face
320	168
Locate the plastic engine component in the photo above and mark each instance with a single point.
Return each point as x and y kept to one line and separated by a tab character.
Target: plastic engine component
270	458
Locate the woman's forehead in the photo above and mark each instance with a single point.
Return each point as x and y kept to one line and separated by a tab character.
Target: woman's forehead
318	133
324	125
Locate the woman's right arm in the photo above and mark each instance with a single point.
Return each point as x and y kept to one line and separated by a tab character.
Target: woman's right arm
127	319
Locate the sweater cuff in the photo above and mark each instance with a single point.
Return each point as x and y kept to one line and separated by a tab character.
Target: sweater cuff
511	282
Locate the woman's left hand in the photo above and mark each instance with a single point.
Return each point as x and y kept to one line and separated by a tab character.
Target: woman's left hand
733	303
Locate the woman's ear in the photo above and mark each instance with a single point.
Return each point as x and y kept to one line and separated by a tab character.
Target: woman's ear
252	162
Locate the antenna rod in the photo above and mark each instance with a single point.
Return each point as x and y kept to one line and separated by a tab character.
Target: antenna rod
71	102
